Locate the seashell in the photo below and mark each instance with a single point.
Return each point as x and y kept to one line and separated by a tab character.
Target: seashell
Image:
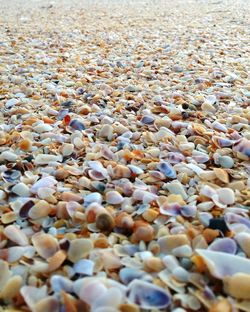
21	189
222	142
182	251
238	285
42	127
175	157
84	266
226	196
45	244
92	198
45	159
106	132
15	234
56	260
169	242
32	295
222	175
135	169
200	157
25	145
157	175
5	274
112	298
41	209
11	102
226	245
142	232
243	239
11	288
91	290
67	149
218	126
77	125
242	146
49	304
222	264
226	162
70	196
147	120
129	274
24	210
105	222
9	156
97	166
148	296
45	192
59	283
11	176
175	187
167	169
124	220
79	248
114	198
129	307
120	171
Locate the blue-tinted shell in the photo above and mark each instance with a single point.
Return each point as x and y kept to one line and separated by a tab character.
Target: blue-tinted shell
127	275
167	169
77	125
148	296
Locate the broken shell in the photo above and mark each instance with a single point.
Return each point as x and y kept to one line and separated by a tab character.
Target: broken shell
167	169
169	242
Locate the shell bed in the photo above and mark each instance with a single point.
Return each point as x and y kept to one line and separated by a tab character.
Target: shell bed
124	155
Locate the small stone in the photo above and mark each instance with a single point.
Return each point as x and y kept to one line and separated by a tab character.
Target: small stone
218	224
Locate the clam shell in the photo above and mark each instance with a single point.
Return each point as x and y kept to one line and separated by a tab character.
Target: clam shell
148	296
221	264
45	244
49	182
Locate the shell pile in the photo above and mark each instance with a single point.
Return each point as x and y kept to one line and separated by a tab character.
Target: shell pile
124	156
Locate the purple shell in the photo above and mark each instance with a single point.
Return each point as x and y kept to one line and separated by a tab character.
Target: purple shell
167	169
227	245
